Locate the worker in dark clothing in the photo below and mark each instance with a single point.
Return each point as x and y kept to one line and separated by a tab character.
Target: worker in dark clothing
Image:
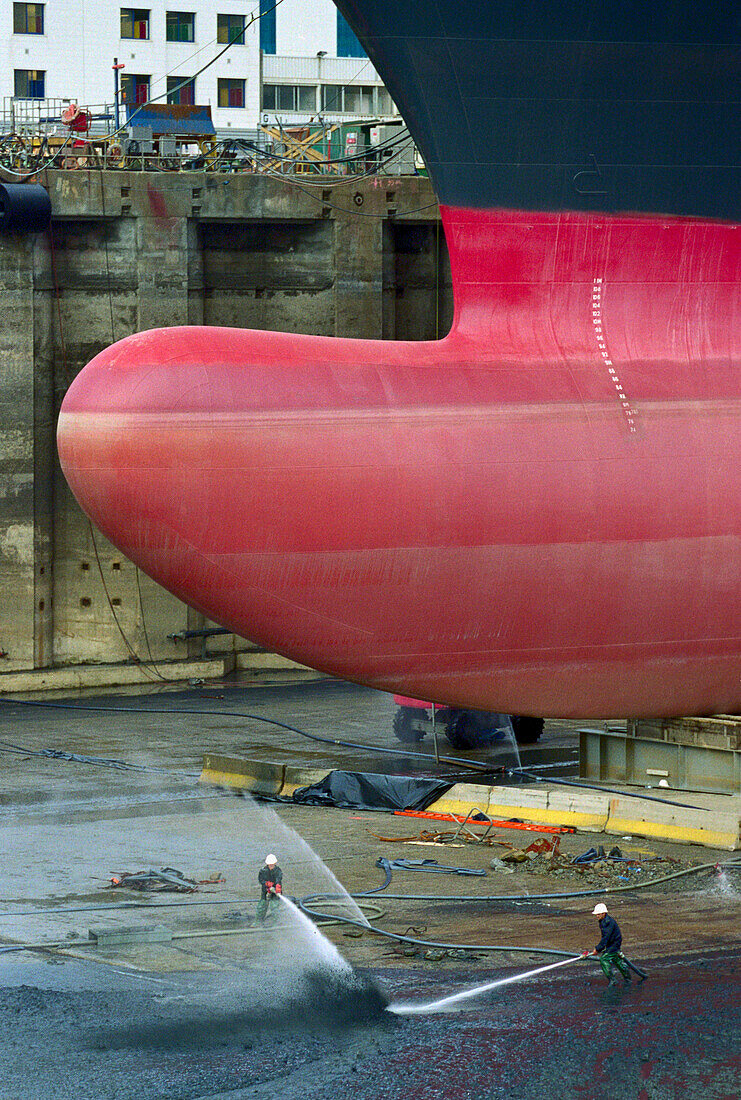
270	878
608	948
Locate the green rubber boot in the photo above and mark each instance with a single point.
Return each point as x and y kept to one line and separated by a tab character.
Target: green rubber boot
622	966
608	960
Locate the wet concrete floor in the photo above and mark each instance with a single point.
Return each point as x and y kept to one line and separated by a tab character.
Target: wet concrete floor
676	1035
174	727
217	1012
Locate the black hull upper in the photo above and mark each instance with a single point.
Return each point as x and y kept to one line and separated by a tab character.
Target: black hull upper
558	105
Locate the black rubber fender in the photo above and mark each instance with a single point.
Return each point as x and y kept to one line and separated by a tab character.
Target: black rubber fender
403	726
24	208
527	730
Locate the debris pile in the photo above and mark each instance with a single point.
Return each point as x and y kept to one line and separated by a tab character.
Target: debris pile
594	867
433	954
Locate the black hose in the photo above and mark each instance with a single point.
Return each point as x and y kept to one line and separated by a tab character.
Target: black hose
596	787
516	898
385	866
305	904
474	765
632	966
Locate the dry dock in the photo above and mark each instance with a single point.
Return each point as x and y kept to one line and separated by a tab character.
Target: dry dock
186	1012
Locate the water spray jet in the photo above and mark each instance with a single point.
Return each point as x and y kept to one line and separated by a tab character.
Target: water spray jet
447	1004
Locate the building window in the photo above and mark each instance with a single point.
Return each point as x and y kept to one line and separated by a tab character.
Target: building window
347	42
332	98
267	26
289	97
349	99
134	88
28	18
180	26
185	95
29	83
384	102
230	28
231	92
358	100
135	22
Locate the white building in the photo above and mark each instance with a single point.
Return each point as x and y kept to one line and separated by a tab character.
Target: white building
289	63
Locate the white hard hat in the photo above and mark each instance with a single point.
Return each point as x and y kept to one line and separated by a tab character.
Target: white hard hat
274	859
599	910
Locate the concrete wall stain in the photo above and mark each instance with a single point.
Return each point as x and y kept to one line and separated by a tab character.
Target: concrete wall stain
132	253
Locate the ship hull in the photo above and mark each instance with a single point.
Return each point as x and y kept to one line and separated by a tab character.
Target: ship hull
541	517
550	105
538	514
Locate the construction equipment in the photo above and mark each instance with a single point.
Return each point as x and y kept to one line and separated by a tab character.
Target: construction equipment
299	149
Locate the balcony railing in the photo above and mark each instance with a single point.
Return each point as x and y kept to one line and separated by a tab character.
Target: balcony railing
331	70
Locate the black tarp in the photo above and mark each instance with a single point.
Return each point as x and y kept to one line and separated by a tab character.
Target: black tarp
366	791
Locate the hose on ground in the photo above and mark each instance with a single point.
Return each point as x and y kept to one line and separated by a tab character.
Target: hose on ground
461	762
734	864
306	904
315	915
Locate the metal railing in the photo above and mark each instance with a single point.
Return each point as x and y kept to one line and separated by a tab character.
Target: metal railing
42	117
336	70
33	136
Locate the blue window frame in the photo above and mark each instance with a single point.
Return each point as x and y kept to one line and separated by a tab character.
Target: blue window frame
347	41
267	26
230	28
181	90
180	26
29	83
28	18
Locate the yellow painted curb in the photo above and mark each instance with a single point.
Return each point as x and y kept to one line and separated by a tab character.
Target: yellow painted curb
257	776
532	815
597	812
301	777
681	834
588	811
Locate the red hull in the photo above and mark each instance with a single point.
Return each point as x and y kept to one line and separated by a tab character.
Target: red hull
537	515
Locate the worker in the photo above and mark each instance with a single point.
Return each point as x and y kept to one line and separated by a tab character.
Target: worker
270	878
608	948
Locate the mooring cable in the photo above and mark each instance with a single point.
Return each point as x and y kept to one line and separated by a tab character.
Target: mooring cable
528	774
475	765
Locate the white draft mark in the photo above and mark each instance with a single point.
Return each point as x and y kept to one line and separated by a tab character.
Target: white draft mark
604	351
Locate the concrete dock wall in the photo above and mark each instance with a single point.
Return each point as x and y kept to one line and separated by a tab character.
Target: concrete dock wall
130	251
